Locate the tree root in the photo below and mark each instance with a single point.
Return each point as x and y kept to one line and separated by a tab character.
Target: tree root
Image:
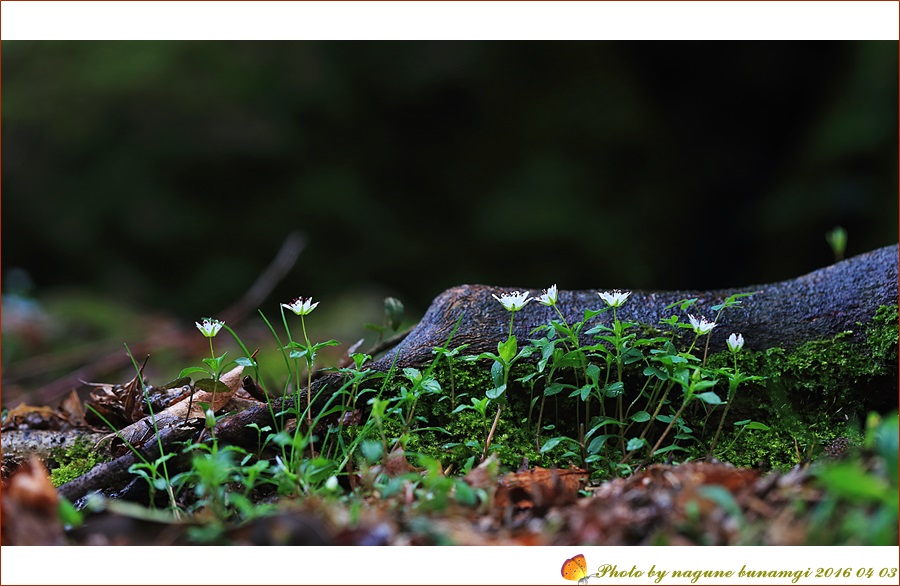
839	298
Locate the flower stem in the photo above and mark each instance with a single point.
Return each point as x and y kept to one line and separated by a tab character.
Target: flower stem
487	442
309	366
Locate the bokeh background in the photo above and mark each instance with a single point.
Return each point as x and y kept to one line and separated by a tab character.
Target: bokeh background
162	177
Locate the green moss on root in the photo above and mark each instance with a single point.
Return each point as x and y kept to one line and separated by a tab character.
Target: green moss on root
74	462
811	394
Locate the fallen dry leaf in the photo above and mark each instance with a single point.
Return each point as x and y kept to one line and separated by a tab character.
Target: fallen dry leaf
185	411
24	416
30	506
73	410
539	488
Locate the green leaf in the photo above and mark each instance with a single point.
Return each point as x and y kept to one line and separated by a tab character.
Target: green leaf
214	363
731	301
463	493
551	443
412	374
653	371
68	514
851	481
635	443
614	389
244	361
589	313
497	373
496	392
598	442
593	373
371	450
137	471
191	370
754	425
683	304
641	417
602	422
631	356
178	382
722	497
553	389
671	448
430	385
709	398
584	392
572	359
703	384
209	385
507	350
525	352
321	345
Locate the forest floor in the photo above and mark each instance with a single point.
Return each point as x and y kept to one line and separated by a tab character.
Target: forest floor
844	500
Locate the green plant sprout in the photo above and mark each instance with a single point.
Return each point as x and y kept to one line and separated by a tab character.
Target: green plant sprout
307	351
837	240
507	355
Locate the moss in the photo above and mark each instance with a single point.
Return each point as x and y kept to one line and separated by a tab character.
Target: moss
881	335
74	462
811	394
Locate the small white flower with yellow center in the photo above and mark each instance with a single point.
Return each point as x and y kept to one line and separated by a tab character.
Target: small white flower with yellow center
701	326
614	299
735	342
301	307
210	327
513	301
549	297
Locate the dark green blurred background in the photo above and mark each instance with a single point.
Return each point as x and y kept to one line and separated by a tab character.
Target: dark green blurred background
168	173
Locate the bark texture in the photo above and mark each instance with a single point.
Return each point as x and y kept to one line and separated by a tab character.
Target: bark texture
815	306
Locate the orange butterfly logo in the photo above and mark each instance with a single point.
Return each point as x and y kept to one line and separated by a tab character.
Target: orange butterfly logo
575	569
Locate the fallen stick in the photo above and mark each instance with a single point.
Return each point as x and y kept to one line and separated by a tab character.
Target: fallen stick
109	474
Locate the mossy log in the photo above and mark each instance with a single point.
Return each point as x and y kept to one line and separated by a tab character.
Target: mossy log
816	306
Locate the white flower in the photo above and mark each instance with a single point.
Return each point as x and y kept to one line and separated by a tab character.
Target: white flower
210	327
614	299
735	342
301	307
513	301
549	297
701	326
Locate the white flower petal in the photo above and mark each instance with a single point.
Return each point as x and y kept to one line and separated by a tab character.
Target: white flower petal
513	301
615	298
735	342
